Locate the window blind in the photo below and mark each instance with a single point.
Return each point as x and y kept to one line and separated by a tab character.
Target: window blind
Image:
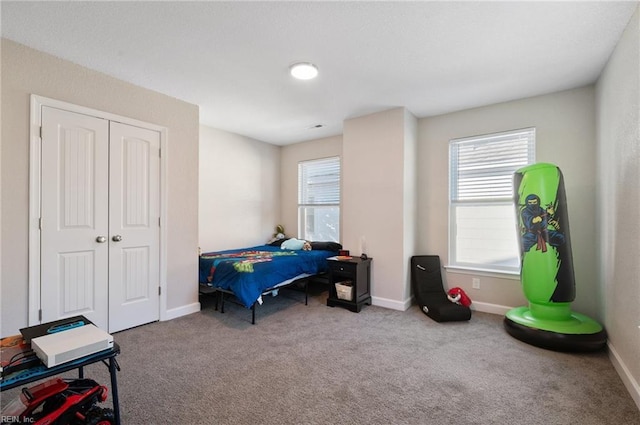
482	167
319	182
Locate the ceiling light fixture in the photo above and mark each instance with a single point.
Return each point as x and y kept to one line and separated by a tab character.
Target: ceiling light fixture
303	71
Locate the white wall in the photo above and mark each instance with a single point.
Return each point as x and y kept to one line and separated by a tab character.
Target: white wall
565	136
26	71
239	190
618	217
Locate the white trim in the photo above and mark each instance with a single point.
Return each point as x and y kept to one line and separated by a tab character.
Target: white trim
484	172
181	311
164	205
391	304
475	306
501	274
311	166
34	210
37	102
623	371
490	308
53	103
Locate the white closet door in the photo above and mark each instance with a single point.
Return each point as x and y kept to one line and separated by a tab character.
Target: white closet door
134	223
74	216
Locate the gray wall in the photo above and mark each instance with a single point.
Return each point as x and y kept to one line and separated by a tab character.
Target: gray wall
618	206
290	155
377	198
239	190
592	154
593	134
26	71
565	136
378	195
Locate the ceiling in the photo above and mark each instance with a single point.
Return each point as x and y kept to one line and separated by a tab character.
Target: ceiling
232	58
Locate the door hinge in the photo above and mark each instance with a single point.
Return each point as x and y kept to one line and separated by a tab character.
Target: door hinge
40	315
40	130
160	153
40	223
159	290
159	222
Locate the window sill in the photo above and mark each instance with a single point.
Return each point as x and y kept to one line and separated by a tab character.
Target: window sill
502	274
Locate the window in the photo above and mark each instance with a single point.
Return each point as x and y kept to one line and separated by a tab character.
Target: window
319	199
482	217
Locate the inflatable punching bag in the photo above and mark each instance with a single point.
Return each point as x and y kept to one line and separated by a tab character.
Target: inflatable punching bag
546	270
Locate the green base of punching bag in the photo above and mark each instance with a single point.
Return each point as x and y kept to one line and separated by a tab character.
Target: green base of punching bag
575	333
547	267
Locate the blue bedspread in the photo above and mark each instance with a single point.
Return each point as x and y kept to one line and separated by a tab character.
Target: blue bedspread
248	272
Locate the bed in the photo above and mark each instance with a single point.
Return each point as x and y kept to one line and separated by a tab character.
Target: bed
250	273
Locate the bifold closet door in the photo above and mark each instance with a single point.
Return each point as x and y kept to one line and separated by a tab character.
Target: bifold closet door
134	226
100	220
74	216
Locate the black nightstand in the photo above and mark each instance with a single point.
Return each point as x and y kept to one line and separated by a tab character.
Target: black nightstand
358	272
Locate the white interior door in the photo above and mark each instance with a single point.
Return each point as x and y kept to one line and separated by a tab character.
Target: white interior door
134	223
74	216
100	220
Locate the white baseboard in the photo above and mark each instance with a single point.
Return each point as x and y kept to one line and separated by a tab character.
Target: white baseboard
391	304
490	308
180	311
475	306
403	306
632	385
629	382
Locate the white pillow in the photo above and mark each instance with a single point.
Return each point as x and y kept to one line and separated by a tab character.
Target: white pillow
293	243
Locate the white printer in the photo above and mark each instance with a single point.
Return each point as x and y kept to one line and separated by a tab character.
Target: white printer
71	344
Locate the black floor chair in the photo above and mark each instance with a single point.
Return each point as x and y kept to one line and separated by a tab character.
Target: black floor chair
426	280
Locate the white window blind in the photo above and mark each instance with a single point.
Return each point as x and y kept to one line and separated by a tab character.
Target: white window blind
319	182
482	167
319	199
482	229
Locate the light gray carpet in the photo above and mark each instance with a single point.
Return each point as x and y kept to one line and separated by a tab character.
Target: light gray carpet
320	365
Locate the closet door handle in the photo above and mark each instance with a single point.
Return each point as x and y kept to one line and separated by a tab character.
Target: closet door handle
116	238
101	239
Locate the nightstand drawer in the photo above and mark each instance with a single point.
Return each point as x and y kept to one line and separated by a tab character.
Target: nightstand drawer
343	268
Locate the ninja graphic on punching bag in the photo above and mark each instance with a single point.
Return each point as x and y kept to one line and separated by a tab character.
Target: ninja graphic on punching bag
540	225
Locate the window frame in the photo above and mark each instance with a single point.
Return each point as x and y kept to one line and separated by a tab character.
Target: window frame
472	196
335	197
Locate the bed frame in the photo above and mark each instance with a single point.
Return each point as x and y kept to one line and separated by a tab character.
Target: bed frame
249	274
223	295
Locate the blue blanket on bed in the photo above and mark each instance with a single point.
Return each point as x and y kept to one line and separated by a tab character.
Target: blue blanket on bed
248	272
